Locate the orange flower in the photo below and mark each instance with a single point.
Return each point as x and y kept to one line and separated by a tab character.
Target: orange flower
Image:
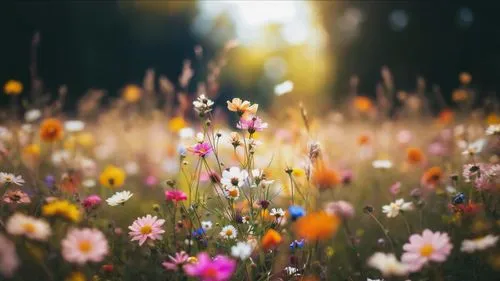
13	87
465	78
363	104
316	226
324	177
446	116
460	95
132	93
51	129
432	177
492	119
414	155
243	108
363	140
271	239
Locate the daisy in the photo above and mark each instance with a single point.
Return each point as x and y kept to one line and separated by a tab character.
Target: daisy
36	229
278	213
387	264
206	225
119	198
9	261
146	227
394	208
234	177
243	108
493	130
478	244
6	178
229	232
241	250
203	105
430	246
84	245
232	192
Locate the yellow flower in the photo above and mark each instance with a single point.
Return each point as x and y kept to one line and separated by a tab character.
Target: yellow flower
112	177
493	119
76	276
13	87
70	143
176	124
63	209
132	93
32	151
85	139
298	172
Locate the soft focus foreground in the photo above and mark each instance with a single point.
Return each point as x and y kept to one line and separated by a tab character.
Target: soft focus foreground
159	185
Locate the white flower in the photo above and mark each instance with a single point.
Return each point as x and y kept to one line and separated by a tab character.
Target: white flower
74	126
232	192
206	225
278	213
290	270
119	198
382	164
234	177
132	168
186	133
493	130
394	208
387	264
60	156
479	244
200	137
474	148
6	178
241	250
202	104
32	115
368	279
229	232
36	229
88	183
188	242
5	134
88	166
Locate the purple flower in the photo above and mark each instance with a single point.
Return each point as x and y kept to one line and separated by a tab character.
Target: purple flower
252	124
201	149
221	268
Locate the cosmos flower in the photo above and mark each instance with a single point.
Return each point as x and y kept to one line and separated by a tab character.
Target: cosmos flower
229	232
62	208
175	195
84	245
22	225
243	108
51	130
241	250
9	261
429	246
387	264
414	155
175	263
16	197
148	227
478	244
119	198
324	177
112	177
277	213
432	177
394	208
7	178
252	124
203	105
201	149
221	268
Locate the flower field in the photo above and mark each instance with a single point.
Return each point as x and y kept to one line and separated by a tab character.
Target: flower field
142	191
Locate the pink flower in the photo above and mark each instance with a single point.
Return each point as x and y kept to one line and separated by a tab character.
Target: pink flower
426	247
404	136
201	149
175	195
341	208
395	188
83	245
437	149
9	261
16	197
219	269
146	227
175	262
252	124
93	201
151	180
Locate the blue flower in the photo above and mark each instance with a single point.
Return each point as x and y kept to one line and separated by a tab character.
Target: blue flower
296	212
297	244
197	233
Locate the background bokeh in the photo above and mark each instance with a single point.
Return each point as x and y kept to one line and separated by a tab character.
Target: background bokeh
317	44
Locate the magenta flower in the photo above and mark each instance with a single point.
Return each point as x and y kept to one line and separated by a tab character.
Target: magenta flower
93	201
252	124
176	262
175	195
219	269
421	249
147	227
201	149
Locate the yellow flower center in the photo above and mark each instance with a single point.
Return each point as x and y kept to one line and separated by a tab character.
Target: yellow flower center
233	193
29	228
85	246
229	232
147	229
426	250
